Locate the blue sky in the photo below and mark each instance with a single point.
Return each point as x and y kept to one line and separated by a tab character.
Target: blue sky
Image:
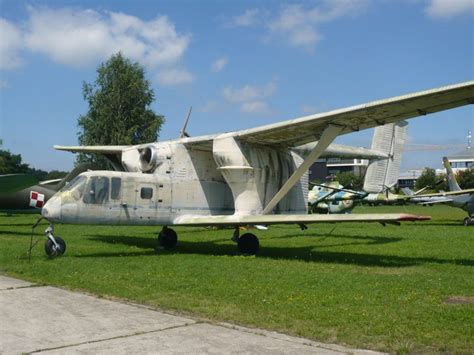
240	64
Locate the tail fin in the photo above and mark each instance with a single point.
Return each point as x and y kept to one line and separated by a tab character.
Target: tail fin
382	174
452	183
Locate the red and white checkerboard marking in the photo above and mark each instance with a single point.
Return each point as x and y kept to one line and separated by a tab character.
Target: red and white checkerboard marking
36	199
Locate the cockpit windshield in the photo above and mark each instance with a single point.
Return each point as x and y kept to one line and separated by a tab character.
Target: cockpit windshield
75	187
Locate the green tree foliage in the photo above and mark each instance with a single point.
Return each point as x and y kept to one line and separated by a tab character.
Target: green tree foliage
465	178
427	178
350	180
119	108
11	163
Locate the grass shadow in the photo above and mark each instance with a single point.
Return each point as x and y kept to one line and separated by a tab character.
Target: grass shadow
294	253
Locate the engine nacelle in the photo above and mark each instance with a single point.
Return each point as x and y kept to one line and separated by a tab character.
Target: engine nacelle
148	160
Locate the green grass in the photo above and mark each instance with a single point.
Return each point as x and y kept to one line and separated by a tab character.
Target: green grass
363	285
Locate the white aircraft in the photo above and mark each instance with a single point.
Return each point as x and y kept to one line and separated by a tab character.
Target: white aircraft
455	197
252	177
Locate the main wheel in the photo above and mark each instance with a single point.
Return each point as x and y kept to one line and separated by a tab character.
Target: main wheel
51	250
248	244
468	221
167	238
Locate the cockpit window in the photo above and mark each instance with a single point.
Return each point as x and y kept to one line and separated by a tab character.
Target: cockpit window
97	190
75	187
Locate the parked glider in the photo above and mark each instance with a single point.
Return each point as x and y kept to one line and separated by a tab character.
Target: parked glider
251	177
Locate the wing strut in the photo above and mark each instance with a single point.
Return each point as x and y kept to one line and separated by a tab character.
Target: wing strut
328	135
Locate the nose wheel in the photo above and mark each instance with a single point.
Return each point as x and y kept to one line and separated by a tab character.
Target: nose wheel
55	245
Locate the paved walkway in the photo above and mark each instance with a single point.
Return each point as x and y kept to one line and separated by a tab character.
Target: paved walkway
52	320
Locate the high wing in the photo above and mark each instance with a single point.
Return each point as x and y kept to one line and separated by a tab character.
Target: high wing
299	131
310	128
246	220
97	149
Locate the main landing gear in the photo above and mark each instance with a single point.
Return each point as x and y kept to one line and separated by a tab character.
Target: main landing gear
247	243
55	245
167	238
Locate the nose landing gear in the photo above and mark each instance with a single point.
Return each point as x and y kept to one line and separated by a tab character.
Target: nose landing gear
55	245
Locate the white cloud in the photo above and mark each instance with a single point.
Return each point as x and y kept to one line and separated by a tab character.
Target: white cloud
83	37
219	64
255	107
249	92
298	25
80	37
449	8
10	45
174	76
249	18
250	97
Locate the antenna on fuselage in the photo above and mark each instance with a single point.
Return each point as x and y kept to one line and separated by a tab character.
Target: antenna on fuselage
182	132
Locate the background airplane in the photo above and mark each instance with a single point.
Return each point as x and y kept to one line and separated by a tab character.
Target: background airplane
251	177
456	197
10	183
21	192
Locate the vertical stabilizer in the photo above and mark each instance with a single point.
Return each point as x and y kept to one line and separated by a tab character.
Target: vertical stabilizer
452	183
383	174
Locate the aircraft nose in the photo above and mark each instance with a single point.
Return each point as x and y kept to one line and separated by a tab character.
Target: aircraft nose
52	209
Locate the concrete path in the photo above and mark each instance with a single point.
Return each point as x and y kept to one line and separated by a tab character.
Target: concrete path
51	320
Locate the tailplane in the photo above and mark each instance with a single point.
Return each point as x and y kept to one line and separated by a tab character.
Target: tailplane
383	174
452	183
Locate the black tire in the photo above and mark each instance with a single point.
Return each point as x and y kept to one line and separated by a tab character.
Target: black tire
248	244
51	250
467	221
167	238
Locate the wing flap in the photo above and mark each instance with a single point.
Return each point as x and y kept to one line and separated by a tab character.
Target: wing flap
236	220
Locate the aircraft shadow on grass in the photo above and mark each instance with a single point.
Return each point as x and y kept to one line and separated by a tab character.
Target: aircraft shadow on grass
289	253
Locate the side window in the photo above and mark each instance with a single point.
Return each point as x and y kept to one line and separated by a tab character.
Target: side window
97	191
115	190
146	193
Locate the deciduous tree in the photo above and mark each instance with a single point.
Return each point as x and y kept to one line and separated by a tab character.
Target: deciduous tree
119	108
